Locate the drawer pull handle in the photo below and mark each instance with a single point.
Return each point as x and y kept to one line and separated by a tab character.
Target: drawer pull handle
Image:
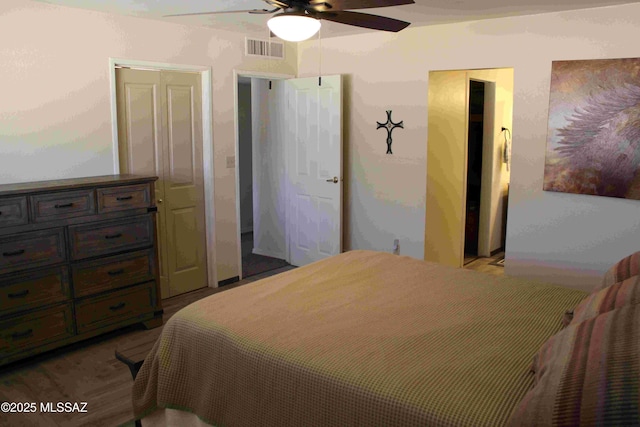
64	205
22	335
14	253
115	272
120	199
20	294
113	236
117	306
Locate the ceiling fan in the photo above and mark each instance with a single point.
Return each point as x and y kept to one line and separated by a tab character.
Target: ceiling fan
300	19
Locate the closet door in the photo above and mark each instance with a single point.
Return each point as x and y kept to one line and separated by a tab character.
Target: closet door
183	205
159	133
446	168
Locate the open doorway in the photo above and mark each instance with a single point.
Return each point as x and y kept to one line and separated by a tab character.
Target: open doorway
296	167
260	193
467	171
474	169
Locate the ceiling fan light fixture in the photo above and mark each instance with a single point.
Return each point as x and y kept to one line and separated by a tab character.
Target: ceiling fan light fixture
293	28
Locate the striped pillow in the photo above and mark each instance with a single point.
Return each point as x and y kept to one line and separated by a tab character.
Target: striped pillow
588	374
615	296
623	269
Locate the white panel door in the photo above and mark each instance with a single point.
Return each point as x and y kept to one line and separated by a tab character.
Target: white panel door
314	151
159	133
141	142
183	181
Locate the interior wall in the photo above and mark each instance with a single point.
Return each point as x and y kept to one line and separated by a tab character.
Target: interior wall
562	238
245	153
488	146
269	179
501	177
55	117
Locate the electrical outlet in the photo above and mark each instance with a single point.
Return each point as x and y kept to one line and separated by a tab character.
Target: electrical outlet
396	247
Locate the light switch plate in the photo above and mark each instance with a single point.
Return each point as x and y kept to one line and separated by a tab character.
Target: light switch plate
231	162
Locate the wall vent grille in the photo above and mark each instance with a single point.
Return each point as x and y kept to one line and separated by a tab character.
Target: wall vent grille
264	48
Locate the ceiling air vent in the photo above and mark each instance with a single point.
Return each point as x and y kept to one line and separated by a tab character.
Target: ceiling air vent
264	48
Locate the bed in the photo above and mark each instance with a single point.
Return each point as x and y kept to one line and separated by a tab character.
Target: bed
371	339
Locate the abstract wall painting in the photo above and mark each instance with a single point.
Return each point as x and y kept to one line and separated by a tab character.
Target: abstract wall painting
593	136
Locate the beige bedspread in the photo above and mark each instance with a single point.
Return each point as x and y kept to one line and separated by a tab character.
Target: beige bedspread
363	338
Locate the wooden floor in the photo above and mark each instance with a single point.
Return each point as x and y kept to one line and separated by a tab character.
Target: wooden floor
485	265
88	371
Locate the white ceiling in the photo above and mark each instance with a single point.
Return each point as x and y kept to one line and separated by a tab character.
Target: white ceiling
424	12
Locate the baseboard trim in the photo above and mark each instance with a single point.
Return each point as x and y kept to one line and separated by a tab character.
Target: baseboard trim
569	275
258	251
495	251
229	281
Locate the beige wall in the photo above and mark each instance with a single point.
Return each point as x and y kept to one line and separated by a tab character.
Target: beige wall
55	117
569	239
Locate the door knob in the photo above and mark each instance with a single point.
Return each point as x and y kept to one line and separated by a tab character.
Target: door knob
334	180
159	200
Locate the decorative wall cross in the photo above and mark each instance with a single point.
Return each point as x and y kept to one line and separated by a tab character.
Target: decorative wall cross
390	126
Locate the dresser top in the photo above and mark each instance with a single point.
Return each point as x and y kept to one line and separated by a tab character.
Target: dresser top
72	183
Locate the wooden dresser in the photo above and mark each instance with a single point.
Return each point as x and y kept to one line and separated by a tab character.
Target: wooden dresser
78	257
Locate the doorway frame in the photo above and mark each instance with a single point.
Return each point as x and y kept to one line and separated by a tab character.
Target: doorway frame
486	177
477	74
236	76
207	143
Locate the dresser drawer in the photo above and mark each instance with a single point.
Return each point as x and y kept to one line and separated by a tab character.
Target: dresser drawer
34	249
113	199
107	237
114	272
33	289
100	311
62	204
41	327
13	211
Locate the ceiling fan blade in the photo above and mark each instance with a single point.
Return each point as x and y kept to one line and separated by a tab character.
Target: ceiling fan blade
363	20
255	11
264	11
331	5
282	4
